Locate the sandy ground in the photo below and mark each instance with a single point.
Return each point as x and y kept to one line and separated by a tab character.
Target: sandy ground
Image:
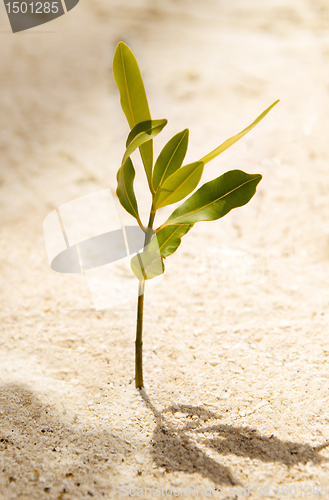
236	334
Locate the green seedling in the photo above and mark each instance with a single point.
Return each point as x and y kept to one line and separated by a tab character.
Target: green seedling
170	182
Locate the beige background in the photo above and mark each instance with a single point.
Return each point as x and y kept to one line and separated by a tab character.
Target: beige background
236	334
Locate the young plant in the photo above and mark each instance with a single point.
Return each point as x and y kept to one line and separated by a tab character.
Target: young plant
170	182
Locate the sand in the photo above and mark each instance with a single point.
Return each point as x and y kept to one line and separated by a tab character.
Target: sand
236	345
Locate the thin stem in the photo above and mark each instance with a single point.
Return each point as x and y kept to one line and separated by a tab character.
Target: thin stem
139	383
139	339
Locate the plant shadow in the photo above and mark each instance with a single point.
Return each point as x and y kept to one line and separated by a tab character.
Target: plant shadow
176	450
43	458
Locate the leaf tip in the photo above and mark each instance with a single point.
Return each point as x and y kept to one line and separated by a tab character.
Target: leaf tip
117	49
120	46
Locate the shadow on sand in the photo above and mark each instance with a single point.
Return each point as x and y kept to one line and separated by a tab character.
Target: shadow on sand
44	458
176	450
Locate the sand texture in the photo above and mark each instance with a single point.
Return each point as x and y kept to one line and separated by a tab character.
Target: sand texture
236	345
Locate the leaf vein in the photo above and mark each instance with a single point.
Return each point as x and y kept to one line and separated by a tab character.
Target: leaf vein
127	88
207	205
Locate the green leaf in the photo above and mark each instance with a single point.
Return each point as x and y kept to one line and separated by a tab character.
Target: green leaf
147	265
216	198
235	138
129	81
133	97
125	189
141	133
171	158
180	184
169	238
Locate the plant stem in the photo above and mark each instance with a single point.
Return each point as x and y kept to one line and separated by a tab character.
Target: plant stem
139	383
139	342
